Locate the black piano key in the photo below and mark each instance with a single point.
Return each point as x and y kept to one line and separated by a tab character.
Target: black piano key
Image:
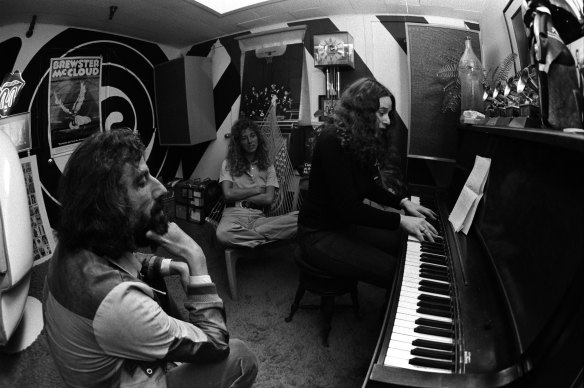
437	306
434	323
432	260
436	354
432	363
431	245
433	276
433	255
438	251
435	268
423	343
434	299
435	312
432	284
434	331
434	290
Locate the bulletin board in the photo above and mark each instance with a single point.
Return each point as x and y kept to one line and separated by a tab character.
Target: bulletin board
433	133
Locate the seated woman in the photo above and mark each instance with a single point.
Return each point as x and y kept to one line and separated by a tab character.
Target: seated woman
249	181
337	231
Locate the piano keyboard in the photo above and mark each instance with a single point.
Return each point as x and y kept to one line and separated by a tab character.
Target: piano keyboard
423	335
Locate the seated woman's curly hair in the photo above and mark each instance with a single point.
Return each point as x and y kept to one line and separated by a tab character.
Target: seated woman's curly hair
237	163
94	202
356	124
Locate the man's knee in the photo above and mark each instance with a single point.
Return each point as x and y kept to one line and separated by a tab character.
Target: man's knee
242	355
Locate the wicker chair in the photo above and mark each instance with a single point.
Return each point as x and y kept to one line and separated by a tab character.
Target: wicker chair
287	198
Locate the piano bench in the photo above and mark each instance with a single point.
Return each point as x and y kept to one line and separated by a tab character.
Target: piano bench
328	287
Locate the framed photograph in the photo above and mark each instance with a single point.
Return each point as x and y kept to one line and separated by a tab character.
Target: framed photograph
17	127
326	105
517	36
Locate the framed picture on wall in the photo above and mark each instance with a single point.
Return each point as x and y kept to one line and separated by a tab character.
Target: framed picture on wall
327	105
517	36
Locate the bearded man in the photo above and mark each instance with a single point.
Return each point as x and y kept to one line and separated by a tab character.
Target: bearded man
108	319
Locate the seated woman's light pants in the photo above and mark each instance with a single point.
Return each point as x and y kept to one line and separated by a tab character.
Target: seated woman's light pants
241	227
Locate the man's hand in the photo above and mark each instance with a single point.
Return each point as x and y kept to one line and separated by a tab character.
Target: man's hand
182	270
180	244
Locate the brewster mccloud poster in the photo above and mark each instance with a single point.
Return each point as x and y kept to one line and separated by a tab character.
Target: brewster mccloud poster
74	108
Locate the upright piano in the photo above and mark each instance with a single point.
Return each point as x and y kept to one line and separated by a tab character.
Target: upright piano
502	306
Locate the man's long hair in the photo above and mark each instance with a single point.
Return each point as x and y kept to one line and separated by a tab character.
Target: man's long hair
356	125
237	163
94	203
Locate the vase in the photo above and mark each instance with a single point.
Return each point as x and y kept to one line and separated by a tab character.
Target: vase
470	74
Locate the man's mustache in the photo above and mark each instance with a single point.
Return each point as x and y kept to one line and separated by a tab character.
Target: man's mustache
158	219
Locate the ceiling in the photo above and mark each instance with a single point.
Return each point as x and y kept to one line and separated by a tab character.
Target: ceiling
182	23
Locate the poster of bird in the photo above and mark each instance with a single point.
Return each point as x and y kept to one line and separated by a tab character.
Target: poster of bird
74	106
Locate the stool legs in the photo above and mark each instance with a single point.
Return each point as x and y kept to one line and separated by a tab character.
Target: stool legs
231	256
296	304
355	300
328	306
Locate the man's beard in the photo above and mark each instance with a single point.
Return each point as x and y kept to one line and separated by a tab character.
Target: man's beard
157	222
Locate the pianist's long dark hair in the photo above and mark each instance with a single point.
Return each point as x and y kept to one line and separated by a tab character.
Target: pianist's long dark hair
356	124
94	203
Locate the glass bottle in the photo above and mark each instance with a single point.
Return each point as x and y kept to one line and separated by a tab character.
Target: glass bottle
470	74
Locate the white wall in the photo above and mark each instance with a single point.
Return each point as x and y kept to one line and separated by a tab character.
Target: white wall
383	56
495	37
374	44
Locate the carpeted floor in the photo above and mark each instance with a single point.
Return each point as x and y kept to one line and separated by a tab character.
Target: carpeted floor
290	354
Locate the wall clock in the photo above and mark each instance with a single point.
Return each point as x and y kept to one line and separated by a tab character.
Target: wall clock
335	49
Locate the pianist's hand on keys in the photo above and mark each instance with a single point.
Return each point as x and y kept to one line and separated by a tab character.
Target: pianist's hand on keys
421	225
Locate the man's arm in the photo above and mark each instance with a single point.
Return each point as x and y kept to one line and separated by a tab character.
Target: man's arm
131	324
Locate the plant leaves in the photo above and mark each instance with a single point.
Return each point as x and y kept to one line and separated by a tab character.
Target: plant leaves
448	71
502	70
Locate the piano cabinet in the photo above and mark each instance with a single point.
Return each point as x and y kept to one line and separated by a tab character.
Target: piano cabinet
517	289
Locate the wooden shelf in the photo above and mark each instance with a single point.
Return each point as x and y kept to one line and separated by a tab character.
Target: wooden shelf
571	141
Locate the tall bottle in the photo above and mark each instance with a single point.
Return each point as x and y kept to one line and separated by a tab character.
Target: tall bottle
470	74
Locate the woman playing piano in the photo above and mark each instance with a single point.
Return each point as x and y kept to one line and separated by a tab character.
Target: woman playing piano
338	232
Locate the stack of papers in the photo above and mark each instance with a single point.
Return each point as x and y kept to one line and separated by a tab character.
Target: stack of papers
465	208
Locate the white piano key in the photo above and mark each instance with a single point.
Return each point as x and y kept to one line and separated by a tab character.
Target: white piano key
408	299
422	315
409	324
403	354
394	344
415	293
400	363
416	277
411	333
408	305
414	289
413	318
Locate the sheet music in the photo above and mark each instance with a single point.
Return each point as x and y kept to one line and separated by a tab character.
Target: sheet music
466	205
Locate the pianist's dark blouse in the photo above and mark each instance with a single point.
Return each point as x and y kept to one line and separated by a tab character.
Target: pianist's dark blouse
337	187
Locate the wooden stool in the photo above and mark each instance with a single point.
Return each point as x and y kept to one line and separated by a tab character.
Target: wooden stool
318	282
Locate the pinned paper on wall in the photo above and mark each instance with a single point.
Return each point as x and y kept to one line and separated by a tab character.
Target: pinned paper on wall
43	240
466	205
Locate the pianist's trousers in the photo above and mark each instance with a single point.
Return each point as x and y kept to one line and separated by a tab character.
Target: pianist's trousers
354	252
